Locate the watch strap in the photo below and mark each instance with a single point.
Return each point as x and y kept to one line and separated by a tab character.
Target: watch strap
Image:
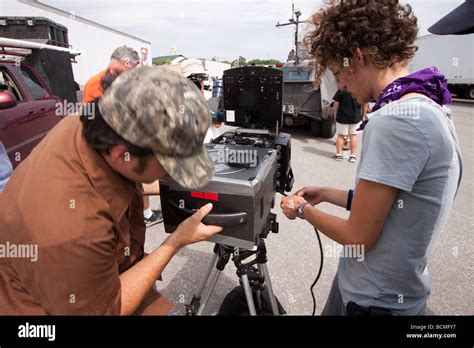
299	210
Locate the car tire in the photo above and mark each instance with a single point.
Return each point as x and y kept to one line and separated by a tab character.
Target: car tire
315	127
328	127
470	92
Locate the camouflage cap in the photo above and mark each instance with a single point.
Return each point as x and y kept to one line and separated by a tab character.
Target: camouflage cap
158	109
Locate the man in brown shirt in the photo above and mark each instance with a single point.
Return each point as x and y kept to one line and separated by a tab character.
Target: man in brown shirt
71	222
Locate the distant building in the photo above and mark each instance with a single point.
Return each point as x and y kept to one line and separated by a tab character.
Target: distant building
215	69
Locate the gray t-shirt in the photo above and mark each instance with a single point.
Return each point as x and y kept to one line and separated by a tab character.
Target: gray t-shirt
412	145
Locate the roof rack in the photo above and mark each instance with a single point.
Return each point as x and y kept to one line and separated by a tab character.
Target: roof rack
17	50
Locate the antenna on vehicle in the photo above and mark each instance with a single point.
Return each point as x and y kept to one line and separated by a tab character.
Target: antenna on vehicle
296	22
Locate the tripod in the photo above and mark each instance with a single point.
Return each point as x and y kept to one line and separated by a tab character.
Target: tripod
254	281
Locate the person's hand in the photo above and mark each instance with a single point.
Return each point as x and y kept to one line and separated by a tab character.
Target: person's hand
289	204
192	230
312	194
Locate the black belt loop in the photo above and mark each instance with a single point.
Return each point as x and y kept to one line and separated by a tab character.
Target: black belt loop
349	200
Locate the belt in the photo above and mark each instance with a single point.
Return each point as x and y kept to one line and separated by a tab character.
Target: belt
353	309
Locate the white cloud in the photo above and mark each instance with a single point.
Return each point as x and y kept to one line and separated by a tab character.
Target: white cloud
227	29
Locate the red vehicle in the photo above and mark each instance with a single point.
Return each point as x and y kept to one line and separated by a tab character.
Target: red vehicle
27	109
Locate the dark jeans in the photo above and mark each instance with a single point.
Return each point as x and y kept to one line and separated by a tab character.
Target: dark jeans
334	304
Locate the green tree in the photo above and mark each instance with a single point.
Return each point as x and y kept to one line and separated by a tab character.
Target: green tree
264	61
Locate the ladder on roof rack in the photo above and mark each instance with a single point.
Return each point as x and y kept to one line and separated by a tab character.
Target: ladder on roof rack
20	49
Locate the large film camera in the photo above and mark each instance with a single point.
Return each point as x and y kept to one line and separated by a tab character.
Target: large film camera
251	163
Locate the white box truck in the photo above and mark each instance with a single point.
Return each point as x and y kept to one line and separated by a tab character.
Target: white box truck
453	55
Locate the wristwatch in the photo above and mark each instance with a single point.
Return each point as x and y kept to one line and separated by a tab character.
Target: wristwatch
299	210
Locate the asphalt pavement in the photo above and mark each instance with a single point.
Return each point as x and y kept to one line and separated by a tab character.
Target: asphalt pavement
293	253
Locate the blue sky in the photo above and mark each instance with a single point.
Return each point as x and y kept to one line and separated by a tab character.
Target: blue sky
225	29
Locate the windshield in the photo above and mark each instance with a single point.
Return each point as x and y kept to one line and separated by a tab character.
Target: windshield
297	74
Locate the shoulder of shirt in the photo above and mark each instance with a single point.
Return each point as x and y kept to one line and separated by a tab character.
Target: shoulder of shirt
94	81
69	210
96	77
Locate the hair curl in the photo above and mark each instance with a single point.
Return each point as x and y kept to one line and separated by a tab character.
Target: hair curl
383	29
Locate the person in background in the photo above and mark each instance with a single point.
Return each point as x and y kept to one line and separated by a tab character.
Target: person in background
193	69
123	58
6	168
348	113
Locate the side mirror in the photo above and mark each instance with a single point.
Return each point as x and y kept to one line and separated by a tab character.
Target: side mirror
7	100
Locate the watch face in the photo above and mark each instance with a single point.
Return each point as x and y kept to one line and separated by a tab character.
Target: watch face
299	212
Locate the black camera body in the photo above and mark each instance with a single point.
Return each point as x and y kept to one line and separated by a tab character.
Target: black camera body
251	163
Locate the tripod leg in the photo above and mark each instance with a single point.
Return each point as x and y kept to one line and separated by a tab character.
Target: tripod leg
271	294
258	295
210	289
195	304
248	294
206	276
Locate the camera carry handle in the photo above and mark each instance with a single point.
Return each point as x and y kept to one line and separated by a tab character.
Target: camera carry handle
228	219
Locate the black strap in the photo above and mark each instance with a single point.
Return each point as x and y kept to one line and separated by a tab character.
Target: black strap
353	309
349	199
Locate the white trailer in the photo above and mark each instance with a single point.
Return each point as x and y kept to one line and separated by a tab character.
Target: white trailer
215	69
95	41
453	55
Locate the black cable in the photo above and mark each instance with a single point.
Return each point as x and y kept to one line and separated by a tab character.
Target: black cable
319	272
320	264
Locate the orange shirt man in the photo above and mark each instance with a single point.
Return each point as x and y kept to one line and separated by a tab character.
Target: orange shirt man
93	88
122	59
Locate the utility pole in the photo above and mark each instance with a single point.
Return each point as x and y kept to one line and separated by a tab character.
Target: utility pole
296	22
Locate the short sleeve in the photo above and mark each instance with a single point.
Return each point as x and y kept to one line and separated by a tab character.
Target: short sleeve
337	96
394	152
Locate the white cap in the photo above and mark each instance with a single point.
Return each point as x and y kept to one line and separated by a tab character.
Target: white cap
192	66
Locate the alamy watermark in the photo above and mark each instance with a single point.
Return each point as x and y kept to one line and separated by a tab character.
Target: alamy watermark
399	109
353	251
65	108
242	157
28	330
19	251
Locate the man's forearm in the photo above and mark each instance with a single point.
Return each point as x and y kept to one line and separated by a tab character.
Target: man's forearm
137	281
335	196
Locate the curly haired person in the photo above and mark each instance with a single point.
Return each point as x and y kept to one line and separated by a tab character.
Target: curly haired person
410	168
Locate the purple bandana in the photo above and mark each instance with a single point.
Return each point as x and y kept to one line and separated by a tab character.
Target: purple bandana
429	82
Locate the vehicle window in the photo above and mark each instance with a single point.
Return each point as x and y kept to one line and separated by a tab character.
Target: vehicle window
297	74
34	86
7	84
